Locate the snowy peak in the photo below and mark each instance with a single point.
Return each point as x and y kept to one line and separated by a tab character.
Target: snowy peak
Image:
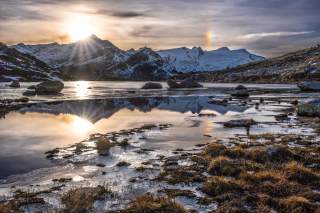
100	58
195	59
83	52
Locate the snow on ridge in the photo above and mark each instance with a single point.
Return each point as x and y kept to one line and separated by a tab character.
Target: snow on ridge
196	59
181	59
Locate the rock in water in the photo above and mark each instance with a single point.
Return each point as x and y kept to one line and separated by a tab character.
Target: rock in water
187	83
240	92
310	86
173	84
49	88
29	93
15	84
311	109
152	85
240	123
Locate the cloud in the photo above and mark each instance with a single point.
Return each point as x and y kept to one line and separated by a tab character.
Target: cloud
268	27
127	14
273	34
117	13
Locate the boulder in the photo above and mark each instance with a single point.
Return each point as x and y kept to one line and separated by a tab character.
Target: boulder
241	92
310	109
49	88
240	123
29	93
15	84
309	86
240	87
31	87
152	85
187	83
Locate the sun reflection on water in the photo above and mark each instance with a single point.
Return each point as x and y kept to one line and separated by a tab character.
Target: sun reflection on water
81	125
82	88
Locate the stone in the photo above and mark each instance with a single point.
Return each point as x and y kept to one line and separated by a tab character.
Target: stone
241	92
49	88
31	87
152	85
240	123
309	86
310	109
29	93
15	84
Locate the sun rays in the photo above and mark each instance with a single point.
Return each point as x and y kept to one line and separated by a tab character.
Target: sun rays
80	27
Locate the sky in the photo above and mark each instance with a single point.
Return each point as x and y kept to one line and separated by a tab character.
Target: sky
268	27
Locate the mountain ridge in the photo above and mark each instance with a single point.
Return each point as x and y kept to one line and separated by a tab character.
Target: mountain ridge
297	66
94	58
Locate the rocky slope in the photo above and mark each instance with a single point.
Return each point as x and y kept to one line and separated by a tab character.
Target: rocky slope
96	59
144	64
294	67
194	60
15	65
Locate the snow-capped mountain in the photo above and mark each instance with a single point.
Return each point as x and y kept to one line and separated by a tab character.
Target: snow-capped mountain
85	59
294	67
195	59
90	50
15	65
143	64
97	59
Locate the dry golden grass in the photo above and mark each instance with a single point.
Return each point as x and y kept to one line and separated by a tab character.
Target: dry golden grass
150	204
103	146
297	204
297	172
82	199
219	185
223	166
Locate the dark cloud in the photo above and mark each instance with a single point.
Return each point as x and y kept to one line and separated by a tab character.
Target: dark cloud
127	14
120	14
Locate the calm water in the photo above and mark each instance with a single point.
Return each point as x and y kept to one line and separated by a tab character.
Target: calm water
25	135
103	89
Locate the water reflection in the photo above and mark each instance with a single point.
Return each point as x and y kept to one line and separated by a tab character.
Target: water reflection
82	88
81	125
45	126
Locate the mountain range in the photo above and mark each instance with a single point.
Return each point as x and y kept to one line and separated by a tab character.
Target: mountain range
97	59
297	66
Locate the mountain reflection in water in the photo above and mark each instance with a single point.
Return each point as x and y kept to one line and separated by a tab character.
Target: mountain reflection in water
44	126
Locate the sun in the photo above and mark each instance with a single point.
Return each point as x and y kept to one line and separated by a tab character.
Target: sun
80	27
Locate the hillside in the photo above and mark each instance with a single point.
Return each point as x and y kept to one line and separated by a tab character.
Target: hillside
290	68
22	66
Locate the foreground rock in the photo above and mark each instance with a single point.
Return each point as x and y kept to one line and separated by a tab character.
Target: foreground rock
310	86
187	83
15	84
240	92
311	109
49	88
152	85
